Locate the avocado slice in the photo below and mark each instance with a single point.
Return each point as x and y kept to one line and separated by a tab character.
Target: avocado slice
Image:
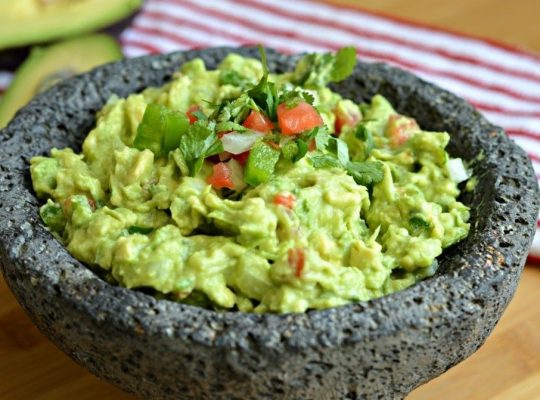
47	65
24	22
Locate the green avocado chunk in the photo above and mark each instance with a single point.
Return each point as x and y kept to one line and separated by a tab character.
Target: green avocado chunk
24	22
47	65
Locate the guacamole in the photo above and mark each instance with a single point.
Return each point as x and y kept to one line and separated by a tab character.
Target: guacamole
238	189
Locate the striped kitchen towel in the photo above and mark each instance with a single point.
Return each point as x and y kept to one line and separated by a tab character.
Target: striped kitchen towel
501	81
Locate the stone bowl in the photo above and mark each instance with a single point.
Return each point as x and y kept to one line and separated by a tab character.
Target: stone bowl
159	349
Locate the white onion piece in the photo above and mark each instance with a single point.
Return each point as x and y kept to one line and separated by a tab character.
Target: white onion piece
237	143
457	170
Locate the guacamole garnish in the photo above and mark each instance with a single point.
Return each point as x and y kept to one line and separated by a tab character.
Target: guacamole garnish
239	189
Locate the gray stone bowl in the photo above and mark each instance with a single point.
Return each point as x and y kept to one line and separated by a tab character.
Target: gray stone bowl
158	349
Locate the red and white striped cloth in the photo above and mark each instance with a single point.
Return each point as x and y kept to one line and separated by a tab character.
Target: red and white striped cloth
501	81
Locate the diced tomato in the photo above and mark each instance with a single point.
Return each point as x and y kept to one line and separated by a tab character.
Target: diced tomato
312	145
400	129
242	157
346	118
221	177
193	108
259	122
297	119
297	259
286	200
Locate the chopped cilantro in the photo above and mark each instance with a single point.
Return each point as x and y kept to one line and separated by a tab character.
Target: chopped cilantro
230	126
264	94
339	148
302	149
344	63
200	142
365	173
234	110
317	70
324	161
139	229
292	98
364	134
418	224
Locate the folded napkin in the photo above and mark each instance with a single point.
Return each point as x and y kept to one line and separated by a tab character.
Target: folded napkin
503	82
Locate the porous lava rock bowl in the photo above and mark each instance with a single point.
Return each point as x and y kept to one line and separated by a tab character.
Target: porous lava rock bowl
159	349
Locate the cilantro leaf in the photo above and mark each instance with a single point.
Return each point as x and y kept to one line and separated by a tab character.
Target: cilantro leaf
292	98
339	148
324	161
229	126
322	137
317	70
365	173
302	149
364	134
139	229
200	142
344	63
236	110
418	224
264	94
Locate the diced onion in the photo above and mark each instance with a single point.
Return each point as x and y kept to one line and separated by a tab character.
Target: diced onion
237	143
457	170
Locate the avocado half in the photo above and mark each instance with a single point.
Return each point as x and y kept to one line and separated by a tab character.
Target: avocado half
24	22
47	65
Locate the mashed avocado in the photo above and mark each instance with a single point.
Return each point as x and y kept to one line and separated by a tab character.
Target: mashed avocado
238	189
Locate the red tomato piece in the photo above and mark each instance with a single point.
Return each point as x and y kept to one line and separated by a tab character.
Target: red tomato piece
190	111
242	157
346	118
297	259
297	119
259	122
400	129
286	200
221	177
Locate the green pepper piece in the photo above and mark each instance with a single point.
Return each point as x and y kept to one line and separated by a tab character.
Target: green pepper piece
160	129
260	163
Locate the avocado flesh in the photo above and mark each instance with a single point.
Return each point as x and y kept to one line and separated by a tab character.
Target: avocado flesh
47	65
24	22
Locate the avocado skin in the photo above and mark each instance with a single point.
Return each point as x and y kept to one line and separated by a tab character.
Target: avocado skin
11	59
45	66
